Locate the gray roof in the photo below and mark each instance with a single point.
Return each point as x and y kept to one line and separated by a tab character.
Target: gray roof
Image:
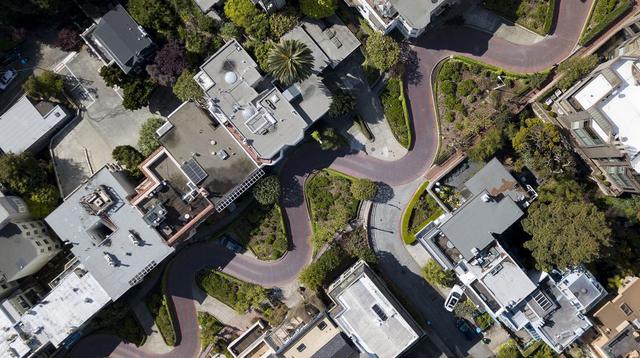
472	226
336	347
206	5
192	137
18	251
332	36
255	108
417	12
585	290
23	125
623	343
495	179
298	33
122	37
355	294
73	224
315	99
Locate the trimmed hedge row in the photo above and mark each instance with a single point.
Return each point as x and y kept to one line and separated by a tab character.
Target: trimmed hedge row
591	34
396	112
408	237
548	21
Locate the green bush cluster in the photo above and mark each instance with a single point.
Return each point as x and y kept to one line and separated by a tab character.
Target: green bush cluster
322	271
210	327
159	308
234	293
118	319
605	12
263	231
394	105
436	275
536	15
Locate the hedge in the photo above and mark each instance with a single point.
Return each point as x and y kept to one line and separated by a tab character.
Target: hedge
471	61
548	21
396	111
591	34
405	111
408	237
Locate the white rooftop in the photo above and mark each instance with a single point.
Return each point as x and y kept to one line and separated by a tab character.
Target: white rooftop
593	92
77	297
88	234
384	338
623	110
508	283
23	124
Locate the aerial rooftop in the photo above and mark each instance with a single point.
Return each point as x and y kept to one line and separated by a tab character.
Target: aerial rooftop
109	235
251	108
25	124
195	137
417	12
370	315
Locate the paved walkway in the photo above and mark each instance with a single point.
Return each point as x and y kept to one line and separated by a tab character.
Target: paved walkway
430	49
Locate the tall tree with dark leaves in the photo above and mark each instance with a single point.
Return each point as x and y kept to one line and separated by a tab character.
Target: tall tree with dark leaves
168	64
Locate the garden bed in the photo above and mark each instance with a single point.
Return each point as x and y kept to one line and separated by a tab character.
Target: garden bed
396	112
421	210
262	230
331	204
159	309
535	15
118	319
604	13
236	294
469	95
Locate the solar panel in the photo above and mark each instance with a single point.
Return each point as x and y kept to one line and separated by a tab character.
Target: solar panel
194	171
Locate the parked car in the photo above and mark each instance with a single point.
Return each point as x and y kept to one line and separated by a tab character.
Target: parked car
454	297
232	245
6	78
466	328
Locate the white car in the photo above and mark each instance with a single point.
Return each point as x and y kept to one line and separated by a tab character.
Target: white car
7	78
454	297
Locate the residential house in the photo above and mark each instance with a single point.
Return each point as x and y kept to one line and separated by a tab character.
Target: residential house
548	307
618	323
117	38
27	126
602	113
370	315
25	243
410	17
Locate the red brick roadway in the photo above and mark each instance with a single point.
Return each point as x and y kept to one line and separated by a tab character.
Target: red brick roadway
430	49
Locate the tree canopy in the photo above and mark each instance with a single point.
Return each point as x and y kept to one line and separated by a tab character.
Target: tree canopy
436	275
267	190
148	141
565	233
129	157
383	52
575	68
542	148
44	86
240	12
136	94
290	61
342	103
491	142
154	15
186	88
168	63
318	9
229	31
280	23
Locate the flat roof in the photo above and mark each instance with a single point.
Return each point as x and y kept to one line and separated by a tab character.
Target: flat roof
416	12
472	226
320	59
508	283
494	178
86	233
367	314
240	97
583	288
332	36
195	136
622	108
611	316
593	91
315	98
23	125
565	324
76	298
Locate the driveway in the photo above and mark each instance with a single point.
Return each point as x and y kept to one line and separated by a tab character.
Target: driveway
84	146
429	50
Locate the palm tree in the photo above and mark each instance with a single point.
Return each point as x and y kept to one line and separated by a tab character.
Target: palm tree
290	61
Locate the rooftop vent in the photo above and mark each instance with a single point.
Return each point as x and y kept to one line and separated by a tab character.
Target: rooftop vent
98	202
486	197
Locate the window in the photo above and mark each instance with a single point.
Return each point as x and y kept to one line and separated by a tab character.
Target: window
38	243
626	309
322	325
619	176
585	134
301	348
379	312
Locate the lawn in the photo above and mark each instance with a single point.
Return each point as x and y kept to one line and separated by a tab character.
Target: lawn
159	308
262	230
331	203
229	290
535	15
604	13
396	112
469	95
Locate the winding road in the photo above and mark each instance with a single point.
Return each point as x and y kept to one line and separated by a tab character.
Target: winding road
430	49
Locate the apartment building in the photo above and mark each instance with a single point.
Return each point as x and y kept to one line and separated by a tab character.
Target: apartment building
410	17
547	306
618	323
602	113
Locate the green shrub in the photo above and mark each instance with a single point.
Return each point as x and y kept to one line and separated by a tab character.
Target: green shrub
267	190
484	321
158	306
209	328
436	275
234	293
364	189
605	12
322	271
